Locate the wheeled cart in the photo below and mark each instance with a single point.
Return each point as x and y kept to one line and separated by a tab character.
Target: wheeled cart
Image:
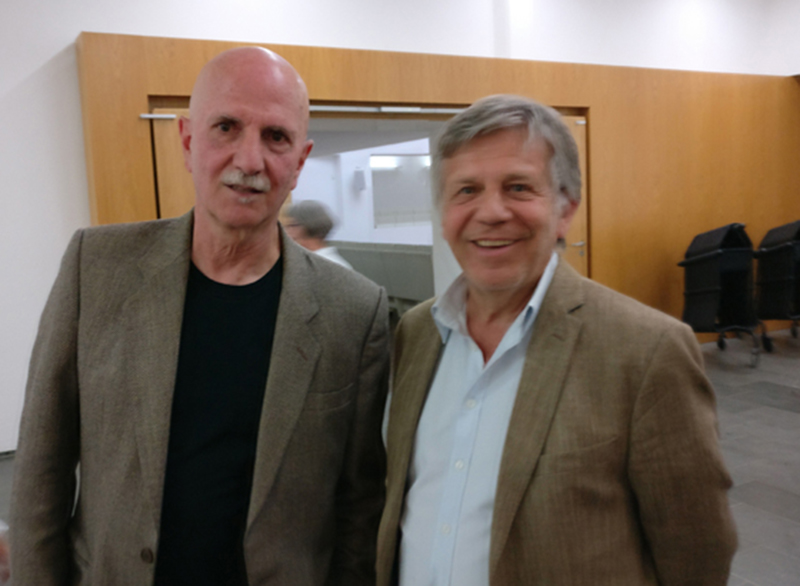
778	282
718	293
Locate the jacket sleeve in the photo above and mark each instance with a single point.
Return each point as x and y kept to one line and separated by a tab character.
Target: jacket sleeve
360	493
676	469
44	487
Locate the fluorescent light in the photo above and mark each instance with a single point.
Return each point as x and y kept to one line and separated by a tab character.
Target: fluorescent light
382	162
401	109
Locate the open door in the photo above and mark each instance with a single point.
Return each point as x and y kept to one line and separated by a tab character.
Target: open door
175	190
174	186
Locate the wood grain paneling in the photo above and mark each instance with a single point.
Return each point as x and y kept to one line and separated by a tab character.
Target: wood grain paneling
175	186
672	153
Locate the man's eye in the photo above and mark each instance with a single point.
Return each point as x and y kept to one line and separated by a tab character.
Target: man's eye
519	188
224	126
276	136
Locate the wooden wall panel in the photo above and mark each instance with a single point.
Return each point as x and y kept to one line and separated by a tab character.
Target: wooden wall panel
671	153
119	160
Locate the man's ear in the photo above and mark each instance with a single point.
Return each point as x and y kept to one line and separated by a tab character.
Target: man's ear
565	215
303	156
185	128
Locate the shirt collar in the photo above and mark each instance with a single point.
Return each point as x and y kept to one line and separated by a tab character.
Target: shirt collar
450	310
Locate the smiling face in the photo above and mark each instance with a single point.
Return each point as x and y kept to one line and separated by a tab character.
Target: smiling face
245	142
500	215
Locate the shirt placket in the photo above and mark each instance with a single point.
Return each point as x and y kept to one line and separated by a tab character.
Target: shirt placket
466	428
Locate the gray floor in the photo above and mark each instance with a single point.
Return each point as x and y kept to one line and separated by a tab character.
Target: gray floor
759	418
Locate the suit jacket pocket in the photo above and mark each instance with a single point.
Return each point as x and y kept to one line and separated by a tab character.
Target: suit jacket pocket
328	400
601	455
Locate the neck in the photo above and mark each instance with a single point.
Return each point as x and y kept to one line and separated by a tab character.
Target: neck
314	244
235	257
490	314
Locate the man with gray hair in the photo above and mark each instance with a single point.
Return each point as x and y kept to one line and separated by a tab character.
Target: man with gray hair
309	223
543	429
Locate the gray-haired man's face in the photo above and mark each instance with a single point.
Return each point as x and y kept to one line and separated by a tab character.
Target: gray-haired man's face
500	214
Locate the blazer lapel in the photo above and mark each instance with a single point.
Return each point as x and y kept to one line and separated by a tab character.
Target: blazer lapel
295	352
410	389
421	347
546	365
154	314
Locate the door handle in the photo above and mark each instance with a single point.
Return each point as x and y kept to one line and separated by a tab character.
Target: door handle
581	243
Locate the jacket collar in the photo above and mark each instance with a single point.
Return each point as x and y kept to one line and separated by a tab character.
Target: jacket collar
545	370
153	316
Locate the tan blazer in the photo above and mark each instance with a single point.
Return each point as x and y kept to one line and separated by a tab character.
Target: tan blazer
100	393
611	472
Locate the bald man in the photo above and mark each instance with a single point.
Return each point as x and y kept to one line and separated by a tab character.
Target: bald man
204	397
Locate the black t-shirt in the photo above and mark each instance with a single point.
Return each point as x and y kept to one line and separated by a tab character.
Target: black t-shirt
226	341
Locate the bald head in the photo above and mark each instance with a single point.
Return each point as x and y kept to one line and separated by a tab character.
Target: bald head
245	141
248	65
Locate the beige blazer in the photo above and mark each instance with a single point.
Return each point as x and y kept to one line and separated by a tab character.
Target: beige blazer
611	472
100	393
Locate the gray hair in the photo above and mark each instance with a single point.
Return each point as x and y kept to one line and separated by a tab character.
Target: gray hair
313	217
501	112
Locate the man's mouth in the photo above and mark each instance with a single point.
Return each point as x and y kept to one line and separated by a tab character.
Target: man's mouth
243	188
248	187
493	243
247	195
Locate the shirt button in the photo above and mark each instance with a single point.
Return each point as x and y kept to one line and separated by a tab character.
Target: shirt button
471	403
459	464
147	555
446	529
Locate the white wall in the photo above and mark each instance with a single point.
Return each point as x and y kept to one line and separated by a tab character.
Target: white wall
41	147
331	182
320	182
780	53
712	35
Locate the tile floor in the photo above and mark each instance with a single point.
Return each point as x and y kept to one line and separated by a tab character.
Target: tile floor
759	419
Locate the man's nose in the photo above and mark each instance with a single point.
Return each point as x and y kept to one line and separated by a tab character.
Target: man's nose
249	155
492	208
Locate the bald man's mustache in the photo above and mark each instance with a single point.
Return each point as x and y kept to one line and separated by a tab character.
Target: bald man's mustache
236	178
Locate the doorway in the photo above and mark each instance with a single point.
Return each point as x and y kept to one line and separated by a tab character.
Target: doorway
351	199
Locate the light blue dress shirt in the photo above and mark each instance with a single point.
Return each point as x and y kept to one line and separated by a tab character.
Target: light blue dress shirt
447	520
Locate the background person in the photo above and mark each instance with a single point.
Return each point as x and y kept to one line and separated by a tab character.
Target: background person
309	223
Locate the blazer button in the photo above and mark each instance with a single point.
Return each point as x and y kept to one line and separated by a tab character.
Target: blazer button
147	555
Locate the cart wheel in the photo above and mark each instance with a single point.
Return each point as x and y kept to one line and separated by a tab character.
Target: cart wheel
755	355
793	329
766	341
721	342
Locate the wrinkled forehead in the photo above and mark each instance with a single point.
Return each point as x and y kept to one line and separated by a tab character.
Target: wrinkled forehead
250	78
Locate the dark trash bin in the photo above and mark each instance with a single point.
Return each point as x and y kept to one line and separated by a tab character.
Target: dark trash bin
778	280
718	293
